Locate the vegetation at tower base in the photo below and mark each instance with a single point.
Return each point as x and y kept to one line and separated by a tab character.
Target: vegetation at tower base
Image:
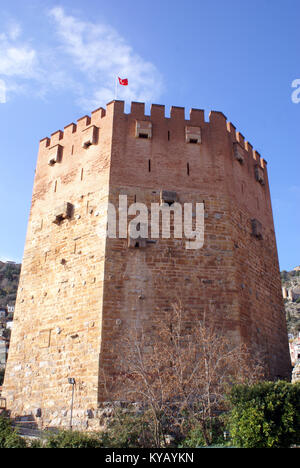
181	373
69	439
265	415
8	436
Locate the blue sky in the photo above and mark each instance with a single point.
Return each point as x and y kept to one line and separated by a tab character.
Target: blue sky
58	61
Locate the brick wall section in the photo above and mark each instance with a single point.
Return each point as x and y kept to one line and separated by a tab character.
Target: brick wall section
235	272
78	291
57	325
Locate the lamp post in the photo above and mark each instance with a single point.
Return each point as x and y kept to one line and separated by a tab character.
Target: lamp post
72	382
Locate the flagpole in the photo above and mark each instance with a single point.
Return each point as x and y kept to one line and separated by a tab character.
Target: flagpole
116	88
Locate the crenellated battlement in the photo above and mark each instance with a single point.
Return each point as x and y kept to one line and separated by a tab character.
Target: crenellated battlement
82	123
239	138
177	116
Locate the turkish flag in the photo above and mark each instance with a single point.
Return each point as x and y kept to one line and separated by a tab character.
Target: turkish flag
123	82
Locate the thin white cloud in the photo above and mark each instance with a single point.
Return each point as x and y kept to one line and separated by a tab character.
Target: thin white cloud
101	54
16	59
2	92
25	69
18	62
82	58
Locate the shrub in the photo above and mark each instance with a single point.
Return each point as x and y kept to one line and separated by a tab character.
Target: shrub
130	430
265	415
8	436
35	444
69	439
195	437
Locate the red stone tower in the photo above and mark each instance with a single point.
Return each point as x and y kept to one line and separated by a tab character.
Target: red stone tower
79	289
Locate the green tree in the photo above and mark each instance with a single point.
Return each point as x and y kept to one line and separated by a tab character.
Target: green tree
8	436
265	415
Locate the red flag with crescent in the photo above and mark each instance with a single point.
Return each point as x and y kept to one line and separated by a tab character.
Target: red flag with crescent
123	82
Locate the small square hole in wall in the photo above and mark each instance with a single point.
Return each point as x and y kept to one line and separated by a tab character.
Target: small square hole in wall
260	175
139	242
238	153
193	135
257	229
62	212
90	137
168	197
143	129
55	155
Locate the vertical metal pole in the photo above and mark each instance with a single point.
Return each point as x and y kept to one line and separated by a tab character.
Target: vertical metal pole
116	88
72	403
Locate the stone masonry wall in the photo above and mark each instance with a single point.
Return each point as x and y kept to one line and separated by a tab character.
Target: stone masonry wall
236	273
57	324
78	290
